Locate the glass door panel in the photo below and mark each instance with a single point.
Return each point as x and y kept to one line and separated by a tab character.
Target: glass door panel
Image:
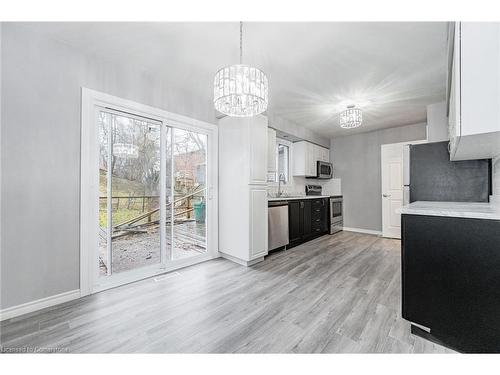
104	133
168	191
129	201
135	193
189	201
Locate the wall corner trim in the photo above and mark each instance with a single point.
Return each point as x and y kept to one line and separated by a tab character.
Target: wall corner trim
361	230
28	307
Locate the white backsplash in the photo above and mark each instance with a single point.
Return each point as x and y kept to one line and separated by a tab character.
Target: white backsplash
495	198
496	175
297	186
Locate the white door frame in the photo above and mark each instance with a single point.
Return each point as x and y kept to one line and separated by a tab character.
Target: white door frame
386	232
393	154
89	187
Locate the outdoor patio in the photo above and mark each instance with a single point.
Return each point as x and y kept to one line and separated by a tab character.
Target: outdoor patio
139	249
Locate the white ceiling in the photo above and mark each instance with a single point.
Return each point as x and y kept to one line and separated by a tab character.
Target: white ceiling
394	69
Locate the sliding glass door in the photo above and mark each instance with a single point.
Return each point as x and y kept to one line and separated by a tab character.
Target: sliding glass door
153	204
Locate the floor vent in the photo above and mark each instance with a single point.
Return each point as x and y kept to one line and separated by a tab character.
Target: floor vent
166	276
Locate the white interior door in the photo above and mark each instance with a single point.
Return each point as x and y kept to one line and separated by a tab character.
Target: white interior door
392	189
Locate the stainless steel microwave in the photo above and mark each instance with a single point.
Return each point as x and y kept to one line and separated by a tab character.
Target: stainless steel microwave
324	170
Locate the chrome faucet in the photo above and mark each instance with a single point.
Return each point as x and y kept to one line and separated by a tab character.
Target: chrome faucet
281	178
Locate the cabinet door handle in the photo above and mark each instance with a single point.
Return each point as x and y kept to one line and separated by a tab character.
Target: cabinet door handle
386	195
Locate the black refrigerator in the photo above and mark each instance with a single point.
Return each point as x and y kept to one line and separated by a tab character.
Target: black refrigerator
429	175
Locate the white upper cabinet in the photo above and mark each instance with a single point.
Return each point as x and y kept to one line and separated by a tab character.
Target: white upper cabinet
271	150
474	96
243	149
317	154
258	150
302	159
306	156
324	154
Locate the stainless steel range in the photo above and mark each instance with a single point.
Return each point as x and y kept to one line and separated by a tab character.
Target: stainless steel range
313	189
336	212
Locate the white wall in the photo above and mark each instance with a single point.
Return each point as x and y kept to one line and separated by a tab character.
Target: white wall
437	122
40	157
356	161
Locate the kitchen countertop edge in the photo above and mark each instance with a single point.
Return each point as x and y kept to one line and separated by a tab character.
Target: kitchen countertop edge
471	210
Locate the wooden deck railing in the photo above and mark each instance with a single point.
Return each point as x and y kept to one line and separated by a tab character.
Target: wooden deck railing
127	224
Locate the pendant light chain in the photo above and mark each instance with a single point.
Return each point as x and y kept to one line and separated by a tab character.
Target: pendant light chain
241	42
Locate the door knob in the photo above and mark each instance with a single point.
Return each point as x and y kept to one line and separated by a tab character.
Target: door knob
386	195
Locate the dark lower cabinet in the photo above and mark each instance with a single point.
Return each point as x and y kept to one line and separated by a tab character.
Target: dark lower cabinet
307	223
307	219
451	280
319	216
295	212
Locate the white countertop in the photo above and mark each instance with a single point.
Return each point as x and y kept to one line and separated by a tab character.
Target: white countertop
284	198
453	209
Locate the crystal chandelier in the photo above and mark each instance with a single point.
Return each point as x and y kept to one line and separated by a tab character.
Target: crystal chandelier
240	90
351	118
125	150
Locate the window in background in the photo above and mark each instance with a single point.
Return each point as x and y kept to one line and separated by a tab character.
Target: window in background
282	161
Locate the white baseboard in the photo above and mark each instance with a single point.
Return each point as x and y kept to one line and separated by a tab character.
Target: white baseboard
28	307
241	261
361	230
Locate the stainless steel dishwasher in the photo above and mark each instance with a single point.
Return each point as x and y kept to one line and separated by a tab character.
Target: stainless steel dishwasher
277	224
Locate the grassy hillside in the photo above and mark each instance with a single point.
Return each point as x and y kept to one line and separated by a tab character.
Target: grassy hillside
126	209
120	186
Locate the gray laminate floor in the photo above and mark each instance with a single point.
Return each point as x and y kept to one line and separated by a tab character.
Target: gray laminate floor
335	294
